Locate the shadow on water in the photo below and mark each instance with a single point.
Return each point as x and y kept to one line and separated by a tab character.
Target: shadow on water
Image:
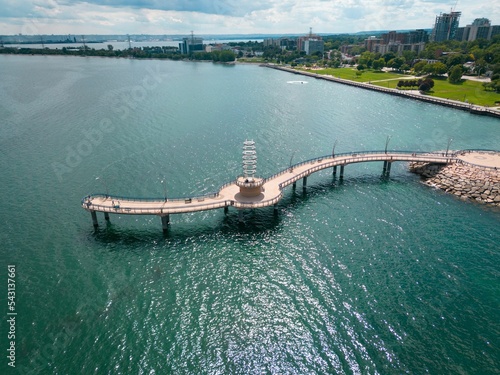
254	221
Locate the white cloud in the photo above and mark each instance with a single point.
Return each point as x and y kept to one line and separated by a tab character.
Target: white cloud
229	16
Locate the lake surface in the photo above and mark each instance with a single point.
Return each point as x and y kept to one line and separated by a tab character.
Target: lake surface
367	276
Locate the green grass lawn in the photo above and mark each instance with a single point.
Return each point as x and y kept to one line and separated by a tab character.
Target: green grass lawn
259	60
366	76
471	91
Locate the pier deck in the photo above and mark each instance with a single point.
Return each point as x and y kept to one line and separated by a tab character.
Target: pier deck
272	188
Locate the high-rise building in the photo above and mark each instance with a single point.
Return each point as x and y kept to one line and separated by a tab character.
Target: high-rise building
446	26
397	42
310	43
417	36
495	30
191	44
479	29
313	45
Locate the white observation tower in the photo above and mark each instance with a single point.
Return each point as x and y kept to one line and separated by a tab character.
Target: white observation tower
250	186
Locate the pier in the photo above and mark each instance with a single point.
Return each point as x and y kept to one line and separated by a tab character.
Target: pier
248	191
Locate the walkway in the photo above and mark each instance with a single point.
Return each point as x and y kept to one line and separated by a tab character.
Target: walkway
229	194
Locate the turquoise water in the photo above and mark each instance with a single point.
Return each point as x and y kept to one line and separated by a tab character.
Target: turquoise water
366	276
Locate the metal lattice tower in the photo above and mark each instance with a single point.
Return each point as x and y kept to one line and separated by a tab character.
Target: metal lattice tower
249	159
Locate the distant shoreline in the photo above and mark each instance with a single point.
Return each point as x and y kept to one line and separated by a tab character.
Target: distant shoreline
475	109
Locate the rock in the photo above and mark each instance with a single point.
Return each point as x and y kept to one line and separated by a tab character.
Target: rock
464	181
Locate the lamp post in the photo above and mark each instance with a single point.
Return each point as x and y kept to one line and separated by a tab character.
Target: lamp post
164	189
387	142
333	150
105	186
448	146
291	157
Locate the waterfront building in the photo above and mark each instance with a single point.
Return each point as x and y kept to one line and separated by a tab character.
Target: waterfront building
214	47
397	42
191	44
310	43
313	45
445	27
481	28
372	42
417	36
283	43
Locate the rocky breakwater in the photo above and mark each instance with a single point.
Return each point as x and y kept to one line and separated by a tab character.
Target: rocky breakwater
463	180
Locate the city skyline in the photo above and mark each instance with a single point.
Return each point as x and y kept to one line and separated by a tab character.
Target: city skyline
229	16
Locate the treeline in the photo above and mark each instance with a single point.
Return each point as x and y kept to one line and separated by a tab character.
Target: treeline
216	56
139	53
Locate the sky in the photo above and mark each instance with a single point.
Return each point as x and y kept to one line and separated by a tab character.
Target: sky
171	17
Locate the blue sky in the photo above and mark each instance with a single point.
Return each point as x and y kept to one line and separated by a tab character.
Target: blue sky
230	16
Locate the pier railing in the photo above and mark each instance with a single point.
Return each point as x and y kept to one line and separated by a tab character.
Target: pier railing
339	158
157	199
160	211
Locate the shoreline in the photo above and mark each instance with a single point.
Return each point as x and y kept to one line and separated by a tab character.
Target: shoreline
474	109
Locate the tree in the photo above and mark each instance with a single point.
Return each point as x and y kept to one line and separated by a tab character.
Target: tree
389	56
455	59
420	66
424	87
480	66
396	63
439	68
455	74
429	81
378	64
110	47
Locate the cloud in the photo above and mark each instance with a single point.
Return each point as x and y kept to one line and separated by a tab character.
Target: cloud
218	7
229	16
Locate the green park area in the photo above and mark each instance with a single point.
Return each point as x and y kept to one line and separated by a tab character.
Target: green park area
466	91
355	75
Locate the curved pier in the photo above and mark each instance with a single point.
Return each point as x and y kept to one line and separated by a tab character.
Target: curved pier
242	193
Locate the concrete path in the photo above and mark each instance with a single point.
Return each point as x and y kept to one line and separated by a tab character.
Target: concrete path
481	158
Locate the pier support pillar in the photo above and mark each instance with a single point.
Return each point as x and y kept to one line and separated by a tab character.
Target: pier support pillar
275	208
342	172
304	182
240	216
334	171
106	216
165	221
294	185
226	209
94	219
384	169
388	171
